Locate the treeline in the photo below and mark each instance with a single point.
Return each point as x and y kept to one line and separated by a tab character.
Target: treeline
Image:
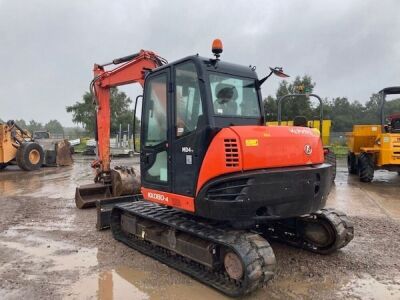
84	111
53	126
343	112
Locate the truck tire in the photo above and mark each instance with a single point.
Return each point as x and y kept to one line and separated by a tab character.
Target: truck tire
352	163
365	167
330	158
30	156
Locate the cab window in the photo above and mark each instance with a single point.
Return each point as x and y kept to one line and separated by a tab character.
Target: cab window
188	105
234	96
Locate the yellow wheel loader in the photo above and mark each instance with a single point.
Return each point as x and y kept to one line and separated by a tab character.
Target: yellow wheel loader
373	147
18	146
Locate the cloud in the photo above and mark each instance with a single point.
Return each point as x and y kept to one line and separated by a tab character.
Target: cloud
47	48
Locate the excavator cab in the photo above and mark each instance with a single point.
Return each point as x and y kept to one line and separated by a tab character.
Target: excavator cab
184	105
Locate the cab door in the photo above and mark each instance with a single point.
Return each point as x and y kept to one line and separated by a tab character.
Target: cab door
189	139
154	161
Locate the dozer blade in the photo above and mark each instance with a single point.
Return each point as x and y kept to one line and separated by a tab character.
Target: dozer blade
105	206
124	181
87	195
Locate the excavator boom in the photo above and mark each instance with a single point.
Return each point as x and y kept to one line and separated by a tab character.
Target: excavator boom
120	181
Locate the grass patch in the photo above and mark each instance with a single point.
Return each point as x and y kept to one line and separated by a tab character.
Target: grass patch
81	147
340	151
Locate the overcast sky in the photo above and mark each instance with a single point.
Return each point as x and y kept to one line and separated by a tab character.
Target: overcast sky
47	48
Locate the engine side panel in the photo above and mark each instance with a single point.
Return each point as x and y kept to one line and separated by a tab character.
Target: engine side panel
245	148
279	146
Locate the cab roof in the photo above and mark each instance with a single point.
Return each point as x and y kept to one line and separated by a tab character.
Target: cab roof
214	65
391	90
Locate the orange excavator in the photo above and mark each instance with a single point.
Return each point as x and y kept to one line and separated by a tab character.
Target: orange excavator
215	184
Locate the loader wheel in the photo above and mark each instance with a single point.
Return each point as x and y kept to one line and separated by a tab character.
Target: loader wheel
365	167
352	163
330	158
30	156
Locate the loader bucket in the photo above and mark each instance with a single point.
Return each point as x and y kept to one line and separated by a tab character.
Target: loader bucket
57	152
63	157
124	181
87	195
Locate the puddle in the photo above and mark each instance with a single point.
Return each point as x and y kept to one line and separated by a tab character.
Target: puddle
65	224
194	291
109	285
369	288
378	198
128	283
293	288
60	256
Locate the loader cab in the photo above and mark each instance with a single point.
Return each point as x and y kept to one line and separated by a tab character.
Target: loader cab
185	104
393	125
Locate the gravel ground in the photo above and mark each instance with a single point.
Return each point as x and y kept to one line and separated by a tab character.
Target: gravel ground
51	250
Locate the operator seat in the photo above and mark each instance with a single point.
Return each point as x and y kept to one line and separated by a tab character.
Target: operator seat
300	121
226	99
395	125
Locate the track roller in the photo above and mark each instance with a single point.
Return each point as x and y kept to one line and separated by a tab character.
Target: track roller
323	232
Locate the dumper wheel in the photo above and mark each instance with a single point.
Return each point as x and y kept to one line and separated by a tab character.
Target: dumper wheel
30	156
330	158
3	166
365	167
352	163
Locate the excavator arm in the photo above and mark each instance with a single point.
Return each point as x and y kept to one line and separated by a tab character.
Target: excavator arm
133	70
130	69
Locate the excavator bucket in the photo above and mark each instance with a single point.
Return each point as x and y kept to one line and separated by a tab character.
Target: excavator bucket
124	181
87	195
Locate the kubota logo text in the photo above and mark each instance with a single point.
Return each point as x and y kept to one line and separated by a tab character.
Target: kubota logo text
300	131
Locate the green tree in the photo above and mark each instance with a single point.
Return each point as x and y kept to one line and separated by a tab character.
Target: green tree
83	112
270	109
53	126
292	106
343	113
34	126
21	123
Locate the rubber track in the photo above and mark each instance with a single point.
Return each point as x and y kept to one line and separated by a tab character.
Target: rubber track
256	253
341	225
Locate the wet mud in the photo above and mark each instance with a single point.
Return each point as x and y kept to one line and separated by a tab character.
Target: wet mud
51	250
